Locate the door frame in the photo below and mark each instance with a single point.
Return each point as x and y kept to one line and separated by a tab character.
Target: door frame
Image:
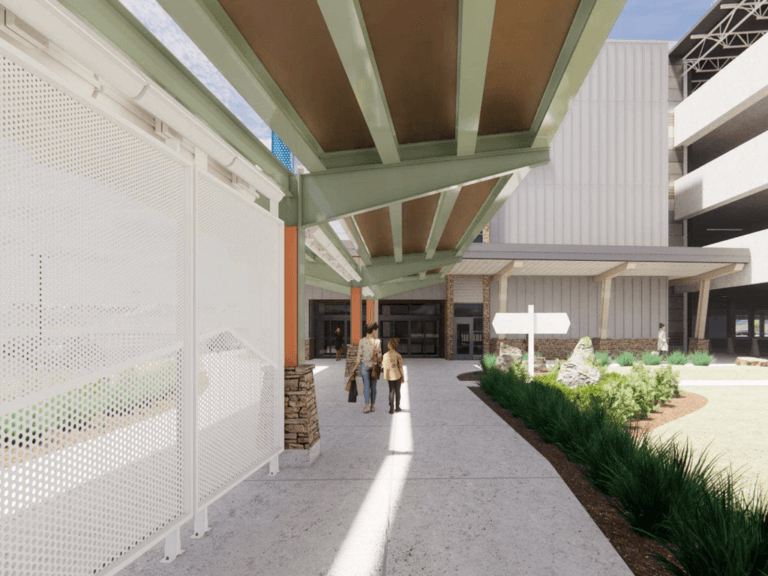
473	355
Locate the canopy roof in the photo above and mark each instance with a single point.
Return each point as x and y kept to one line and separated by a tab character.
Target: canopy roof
416	120
680	265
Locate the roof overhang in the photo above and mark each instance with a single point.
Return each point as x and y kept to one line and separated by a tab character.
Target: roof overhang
416	120
676	263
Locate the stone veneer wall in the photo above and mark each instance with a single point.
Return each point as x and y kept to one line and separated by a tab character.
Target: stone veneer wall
309	349
449	318
695	345
302	427
487	233
552	348
487	314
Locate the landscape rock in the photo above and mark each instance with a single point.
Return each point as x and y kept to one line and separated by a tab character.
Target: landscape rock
540	365
507	355
751	361
579	369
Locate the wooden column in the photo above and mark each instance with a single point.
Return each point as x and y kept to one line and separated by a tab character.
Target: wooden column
291	296
605	306
356	320
701	312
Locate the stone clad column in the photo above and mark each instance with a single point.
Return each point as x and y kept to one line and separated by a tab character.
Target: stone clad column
487	314
449	318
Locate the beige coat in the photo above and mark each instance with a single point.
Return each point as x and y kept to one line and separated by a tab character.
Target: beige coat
392	366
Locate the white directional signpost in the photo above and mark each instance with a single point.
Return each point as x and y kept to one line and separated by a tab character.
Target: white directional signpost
530	323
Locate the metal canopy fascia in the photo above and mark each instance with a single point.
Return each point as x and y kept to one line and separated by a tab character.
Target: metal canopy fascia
590	28
123	30
345	22
606	253
334	194
210	28
325	285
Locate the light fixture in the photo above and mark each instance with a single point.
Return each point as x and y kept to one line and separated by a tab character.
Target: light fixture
725	229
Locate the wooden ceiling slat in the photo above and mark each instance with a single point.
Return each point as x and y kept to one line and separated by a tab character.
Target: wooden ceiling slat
525	43
467	206
295	47
417	223
377	232
416	49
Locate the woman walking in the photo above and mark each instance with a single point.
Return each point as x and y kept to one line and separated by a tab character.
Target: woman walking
339	341
369	353
392	368
663	345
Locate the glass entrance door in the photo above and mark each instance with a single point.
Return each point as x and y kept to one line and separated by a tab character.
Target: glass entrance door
463	339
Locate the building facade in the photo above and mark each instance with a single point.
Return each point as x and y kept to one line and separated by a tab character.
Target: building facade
595	233
721	139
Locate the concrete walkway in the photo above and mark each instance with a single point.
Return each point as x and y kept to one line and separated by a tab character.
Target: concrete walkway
443	488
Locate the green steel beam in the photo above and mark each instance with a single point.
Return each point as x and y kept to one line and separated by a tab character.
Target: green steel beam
210	28
427	150
500	193
442	213
445	271
362	249
395	288
378	274
345	22
333	237
322	271
396	222
475	26
334	194
310	256
317	283
590	28
123	30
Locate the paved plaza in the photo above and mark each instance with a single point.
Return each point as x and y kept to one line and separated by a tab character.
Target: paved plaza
444	487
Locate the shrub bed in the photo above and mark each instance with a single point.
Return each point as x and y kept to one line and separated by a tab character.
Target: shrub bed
626	359
689	508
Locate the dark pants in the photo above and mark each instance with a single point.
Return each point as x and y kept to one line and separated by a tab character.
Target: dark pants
394	393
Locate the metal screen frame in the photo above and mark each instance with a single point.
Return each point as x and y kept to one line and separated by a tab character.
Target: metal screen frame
39	560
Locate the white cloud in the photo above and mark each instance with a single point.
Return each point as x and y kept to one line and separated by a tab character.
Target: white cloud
162	26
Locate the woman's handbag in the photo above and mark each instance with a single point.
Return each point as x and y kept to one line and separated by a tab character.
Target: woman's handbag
376	370
352	389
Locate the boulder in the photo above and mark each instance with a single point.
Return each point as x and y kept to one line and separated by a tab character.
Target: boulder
507	355
750	361
580	369
540	365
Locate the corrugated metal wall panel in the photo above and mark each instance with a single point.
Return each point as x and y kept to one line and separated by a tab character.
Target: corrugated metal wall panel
468	289
638	304
606	182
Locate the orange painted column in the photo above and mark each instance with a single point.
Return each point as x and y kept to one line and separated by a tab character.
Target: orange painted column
291	296
356	322
370	311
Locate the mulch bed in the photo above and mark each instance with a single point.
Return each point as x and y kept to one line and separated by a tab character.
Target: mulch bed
637	551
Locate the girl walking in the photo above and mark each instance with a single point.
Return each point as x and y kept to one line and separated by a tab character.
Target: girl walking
392	368
368	353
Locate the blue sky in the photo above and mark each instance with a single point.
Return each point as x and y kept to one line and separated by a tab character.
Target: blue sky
658	19
640	20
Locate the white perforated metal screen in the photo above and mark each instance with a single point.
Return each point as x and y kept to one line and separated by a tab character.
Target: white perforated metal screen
238	271
96	454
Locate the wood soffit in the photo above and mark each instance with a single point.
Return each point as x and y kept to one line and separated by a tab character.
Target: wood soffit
415	45
377	232
308	70
525	44
467	206
417	223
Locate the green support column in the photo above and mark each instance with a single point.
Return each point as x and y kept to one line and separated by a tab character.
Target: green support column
301	275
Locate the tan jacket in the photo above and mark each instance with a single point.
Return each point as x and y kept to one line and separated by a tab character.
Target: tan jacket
392	366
